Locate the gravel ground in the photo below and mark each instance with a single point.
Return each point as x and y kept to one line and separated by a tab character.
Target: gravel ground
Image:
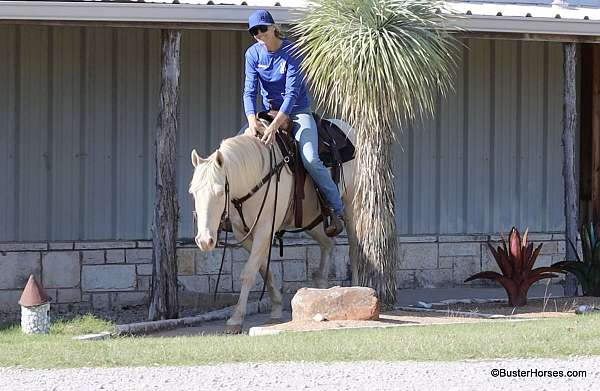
360	376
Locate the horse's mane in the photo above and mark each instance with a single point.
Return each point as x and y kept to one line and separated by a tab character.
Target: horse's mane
244	159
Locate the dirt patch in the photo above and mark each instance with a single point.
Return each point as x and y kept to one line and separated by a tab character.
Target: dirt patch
535	308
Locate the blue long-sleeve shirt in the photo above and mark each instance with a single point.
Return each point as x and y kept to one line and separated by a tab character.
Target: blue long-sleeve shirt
281	82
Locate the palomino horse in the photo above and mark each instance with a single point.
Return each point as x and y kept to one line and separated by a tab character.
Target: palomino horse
238	166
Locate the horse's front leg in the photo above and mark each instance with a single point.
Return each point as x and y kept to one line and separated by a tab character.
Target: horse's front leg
258	254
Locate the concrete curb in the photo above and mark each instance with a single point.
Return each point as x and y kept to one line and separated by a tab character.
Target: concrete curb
459	313
93	337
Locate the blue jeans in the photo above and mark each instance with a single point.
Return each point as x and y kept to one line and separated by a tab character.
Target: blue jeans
305	132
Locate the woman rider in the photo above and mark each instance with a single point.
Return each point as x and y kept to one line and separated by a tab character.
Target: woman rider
273	61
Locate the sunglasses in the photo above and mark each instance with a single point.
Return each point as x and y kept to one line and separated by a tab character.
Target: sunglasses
262	28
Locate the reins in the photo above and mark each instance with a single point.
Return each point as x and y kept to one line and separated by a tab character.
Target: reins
237	202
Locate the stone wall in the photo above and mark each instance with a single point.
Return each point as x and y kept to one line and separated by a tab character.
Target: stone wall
113	274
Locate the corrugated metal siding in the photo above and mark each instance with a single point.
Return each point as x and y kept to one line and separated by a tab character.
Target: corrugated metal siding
79	119
492	156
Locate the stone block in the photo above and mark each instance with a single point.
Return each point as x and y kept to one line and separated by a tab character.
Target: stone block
143	283
417	256
337	303
61	269
196	284
417	239
465	267
108	277
289	252
294	270
138	255
115	256
100	301
488	263
462	238
238	255
547	247
543	260
209	263
93	257
128	299
60	246
9	300
103	245
561	247
438	278
23	246
225	283
537	236
86	297
15	269
292	287
144	269
144	244
405	279
275	268
340	266
68	295
185	261
459	249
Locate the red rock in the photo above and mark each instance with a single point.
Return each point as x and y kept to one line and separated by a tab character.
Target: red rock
337	303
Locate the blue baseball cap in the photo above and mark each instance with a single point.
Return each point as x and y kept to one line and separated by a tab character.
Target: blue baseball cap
260	17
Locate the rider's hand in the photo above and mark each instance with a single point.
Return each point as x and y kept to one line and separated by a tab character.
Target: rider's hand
269	136
253	130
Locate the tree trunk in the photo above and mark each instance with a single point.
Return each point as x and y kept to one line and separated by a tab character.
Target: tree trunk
374	212
164	303
568	141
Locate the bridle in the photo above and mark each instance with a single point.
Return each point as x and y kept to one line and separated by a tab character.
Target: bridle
274	170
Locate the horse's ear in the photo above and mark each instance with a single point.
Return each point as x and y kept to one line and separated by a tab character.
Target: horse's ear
196	159
219	159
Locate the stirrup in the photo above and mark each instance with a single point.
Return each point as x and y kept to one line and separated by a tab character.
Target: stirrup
335	225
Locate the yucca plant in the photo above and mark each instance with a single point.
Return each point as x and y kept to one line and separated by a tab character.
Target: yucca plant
378	65
516	260
588	270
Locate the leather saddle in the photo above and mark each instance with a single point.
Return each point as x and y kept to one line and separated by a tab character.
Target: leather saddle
334	150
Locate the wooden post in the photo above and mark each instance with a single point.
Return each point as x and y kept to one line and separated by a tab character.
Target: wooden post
568	141
164	303
593	105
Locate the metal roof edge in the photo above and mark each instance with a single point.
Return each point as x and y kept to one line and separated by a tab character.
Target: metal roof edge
526	25
137	12
232	14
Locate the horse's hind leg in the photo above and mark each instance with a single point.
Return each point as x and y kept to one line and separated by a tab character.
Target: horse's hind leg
326	244
274	293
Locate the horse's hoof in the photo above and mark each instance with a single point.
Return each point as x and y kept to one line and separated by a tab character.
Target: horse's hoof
233	329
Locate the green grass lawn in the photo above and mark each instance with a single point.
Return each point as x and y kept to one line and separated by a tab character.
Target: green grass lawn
541	338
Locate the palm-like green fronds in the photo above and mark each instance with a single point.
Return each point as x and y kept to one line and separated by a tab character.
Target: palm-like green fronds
588	270
379	61
375	64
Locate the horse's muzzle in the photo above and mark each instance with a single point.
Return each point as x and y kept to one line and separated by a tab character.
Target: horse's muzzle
205	242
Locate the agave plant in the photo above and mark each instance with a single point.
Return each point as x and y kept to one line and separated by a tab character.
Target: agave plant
588	270
516	262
